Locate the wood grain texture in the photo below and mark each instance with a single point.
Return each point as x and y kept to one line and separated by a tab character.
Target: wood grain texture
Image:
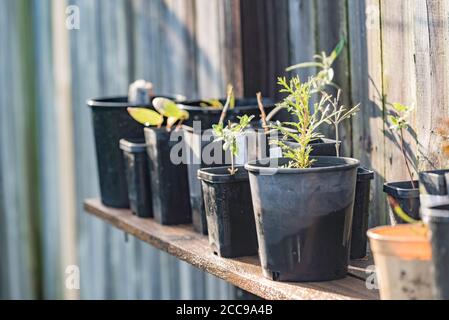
432	83
187	245
366	88
265	45
399	79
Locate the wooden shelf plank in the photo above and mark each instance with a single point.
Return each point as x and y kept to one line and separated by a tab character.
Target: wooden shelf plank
245	273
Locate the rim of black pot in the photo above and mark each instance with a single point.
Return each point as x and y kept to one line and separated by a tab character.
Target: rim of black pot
122	102
260	166
364	174
241	104
434	181
222	175
133	145
402	189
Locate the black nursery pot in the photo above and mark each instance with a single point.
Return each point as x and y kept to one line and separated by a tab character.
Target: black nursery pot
406	196
168	171
229	212
303	218
111	122
361	213
197	142
138	179
435	211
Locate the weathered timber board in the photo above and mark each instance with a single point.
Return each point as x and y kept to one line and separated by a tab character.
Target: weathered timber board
245	273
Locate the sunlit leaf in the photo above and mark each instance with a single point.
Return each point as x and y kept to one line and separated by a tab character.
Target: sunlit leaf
305	65
338	49
215	103
146	117
169	109
400	107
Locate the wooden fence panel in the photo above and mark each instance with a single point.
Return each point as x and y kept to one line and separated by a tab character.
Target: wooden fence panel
397	52
366	87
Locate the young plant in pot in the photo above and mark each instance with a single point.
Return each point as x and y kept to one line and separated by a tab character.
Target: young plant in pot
321	81
406	193
434	196
402	255
168	171
202	151
303	204
111	123
227	198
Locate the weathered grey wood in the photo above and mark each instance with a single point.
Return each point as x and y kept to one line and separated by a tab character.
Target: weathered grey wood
399	77
331	25
183	243
48	135
431	58
366	87
86	83
301	17
265	45
20	251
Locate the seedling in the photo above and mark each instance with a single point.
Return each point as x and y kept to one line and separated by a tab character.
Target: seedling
305	130
323	78
229	135
164	108
340	113
399	123
326	74
231	132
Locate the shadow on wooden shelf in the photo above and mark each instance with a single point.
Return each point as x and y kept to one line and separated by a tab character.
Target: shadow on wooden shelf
245	273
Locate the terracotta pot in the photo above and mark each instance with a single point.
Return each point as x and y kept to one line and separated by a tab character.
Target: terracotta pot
402	255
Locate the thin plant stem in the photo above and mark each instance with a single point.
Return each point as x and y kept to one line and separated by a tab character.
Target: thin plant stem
263	115
226	106
405	158
337	140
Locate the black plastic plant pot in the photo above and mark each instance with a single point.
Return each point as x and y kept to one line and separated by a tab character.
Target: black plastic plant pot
303	217
168	171
138	179
197	142
229	212
406	196
208	116
434	193
111	122
361	213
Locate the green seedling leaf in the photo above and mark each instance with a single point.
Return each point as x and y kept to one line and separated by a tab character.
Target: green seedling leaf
146	117
305	65
338	49
215	103
400	107
169	109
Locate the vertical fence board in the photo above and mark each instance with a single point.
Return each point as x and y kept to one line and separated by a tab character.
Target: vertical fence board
302	34
331	25
265	45
86	83
366	88
48	148
399	78
432	70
